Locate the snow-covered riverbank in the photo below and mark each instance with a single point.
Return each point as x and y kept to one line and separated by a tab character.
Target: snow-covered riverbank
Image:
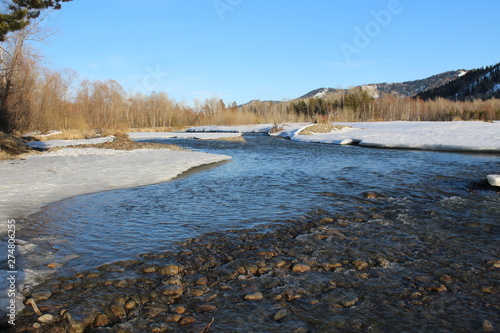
37	180
468	136
445	136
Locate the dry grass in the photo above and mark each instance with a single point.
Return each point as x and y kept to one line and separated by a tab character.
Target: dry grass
230	139
8	157
67	135
321	128
124	143
160	129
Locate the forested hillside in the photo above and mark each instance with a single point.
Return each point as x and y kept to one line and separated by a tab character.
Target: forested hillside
483	83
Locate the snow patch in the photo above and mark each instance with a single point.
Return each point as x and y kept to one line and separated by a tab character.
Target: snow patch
494	180
372	91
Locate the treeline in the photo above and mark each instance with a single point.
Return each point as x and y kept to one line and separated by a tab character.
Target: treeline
34	98
358	105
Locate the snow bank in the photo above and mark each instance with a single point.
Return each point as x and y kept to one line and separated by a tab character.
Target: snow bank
67	143
446	136
180	135
29	184
494	180
259	128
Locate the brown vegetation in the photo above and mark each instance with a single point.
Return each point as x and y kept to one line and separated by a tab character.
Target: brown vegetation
321	128
33	98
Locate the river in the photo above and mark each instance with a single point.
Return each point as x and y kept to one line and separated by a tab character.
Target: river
436	196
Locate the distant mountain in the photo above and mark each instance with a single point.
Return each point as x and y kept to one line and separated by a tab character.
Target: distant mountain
412	88
408	88
456	85
481	83
321	92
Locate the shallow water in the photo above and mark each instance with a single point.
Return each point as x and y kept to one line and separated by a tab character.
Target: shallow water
269	180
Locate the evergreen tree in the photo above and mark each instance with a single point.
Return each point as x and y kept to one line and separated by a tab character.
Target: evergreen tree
17	14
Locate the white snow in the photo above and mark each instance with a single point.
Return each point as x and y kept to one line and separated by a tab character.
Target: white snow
67	143
494	180
372	90
37	180
322	93
462	73
180	135
454	136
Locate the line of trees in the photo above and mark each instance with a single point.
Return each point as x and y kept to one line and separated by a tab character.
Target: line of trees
34	98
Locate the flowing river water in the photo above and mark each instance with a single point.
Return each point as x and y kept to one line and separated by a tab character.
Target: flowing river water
408	211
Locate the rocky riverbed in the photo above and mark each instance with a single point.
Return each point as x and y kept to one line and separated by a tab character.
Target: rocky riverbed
322	273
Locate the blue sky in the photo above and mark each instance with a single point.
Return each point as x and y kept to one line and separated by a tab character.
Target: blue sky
241	50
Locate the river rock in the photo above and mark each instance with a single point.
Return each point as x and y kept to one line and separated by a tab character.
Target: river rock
41	295
149	269
187	320
487	325
130	305
280	314
255	296
46	319
206	307
349	300
118	310
101	320
360	264
301	268
172	290
180	309
171	269
203	281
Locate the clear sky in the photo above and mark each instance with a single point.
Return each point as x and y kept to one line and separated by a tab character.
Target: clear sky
241	50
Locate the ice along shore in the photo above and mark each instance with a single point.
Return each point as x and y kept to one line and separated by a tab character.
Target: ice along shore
28	184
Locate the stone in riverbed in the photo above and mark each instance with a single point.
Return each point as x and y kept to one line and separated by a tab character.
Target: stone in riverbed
41	295
360	264
118	310
172	290
149	269
130	305
171	269
487	325
203	281
187	320
349	300
255	296
301	268
206	307
45	319
280	314
101	320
